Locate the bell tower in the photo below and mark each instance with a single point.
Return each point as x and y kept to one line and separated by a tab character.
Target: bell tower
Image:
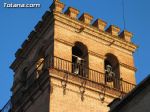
69	64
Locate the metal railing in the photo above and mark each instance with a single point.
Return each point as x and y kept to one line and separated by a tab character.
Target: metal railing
90	74
53	62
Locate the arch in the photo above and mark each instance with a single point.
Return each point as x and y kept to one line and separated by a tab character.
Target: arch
80	59
112	70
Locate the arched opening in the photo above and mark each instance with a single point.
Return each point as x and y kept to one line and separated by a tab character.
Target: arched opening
112	71
80	59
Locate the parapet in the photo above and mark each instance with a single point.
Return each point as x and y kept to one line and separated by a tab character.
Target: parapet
72	12
113	30
100	24
87	19
126	35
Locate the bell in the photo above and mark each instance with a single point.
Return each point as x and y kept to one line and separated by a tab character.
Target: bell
76	71
109	77
109	74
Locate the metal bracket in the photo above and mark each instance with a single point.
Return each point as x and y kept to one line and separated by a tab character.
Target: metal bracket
82	89
64	83
121	93
102	94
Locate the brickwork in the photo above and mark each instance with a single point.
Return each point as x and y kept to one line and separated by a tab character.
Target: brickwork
57	33
72	100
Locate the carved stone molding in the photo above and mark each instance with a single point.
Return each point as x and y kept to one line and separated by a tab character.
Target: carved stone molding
95	33
64	42
129	67
96	54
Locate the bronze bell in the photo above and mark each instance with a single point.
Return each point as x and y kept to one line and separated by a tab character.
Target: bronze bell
109	74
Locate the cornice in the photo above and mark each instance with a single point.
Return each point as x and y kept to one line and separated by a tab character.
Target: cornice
64	42
96	54
94	32
127	66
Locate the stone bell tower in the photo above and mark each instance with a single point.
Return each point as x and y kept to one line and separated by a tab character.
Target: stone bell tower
68	64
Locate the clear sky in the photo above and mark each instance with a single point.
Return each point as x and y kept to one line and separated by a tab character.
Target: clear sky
16	24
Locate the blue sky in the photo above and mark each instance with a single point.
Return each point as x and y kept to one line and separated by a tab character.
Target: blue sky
16	24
